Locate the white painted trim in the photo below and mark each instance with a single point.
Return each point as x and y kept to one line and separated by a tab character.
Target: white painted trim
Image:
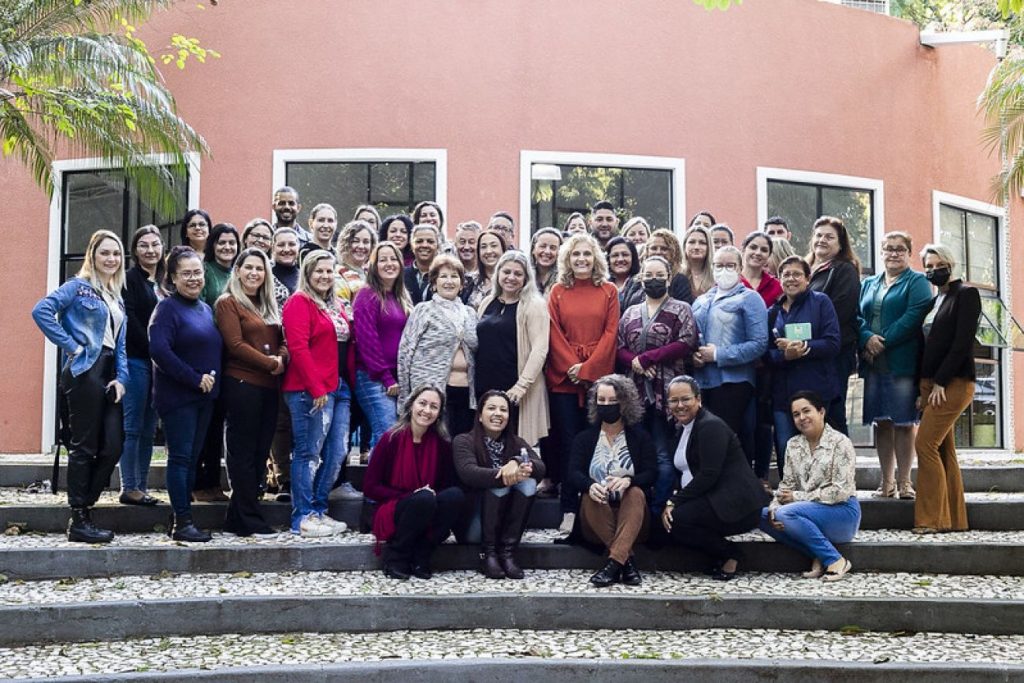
1003	282
368	155
766	173
49	389
529	157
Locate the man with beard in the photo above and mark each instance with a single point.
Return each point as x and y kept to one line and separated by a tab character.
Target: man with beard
604	223
286	208
424	240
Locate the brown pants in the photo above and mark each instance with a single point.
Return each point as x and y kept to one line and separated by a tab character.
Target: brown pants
616	528
940	490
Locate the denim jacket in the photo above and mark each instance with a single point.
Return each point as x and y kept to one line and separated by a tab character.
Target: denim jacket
737	324
74	317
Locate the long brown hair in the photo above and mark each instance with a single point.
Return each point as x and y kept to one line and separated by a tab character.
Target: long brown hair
376	285
510	441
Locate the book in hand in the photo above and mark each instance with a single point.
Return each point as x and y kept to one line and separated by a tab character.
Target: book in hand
798	331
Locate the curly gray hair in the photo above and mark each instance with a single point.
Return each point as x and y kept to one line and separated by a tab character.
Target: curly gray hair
625	391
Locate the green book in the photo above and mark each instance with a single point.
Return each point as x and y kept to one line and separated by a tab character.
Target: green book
798	331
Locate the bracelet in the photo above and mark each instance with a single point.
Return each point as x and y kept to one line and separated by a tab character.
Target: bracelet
669	504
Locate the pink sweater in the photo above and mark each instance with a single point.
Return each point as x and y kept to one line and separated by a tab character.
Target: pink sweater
377	335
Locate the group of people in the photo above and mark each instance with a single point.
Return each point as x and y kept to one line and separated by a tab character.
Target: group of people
628	372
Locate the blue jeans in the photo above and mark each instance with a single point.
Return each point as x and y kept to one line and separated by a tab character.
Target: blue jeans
139	425
378	407
812	528
319	449
658	427
185	433
473	533
784	431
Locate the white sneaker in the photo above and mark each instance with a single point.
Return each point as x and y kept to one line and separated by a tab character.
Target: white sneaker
312	527
345	492
336	526
568	521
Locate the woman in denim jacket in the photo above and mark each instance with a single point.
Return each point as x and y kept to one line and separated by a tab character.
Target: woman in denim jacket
733	326
85	318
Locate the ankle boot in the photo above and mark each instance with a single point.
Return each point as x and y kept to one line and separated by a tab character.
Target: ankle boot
185	530
514	524
491	507
82	530
489	564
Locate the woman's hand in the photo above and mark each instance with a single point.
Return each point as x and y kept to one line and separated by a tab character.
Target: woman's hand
280	365
509	473
618	484
937	397
776	524
118	390
698	360
637	366
666	518
706	353
206	383
598	493
796	350
319	402
874	346
516	393
392	391
574	373
784	496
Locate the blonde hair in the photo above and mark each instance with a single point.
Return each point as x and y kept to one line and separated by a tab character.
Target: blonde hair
529	291
781	250
344	247
565	276
636	220
113	286
944	253
308	266
707	278
266	302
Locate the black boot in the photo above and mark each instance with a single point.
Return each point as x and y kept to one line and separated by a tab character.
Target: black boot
630	575
82	530
421	561
490	518
185	530
516	516
395	567
607	575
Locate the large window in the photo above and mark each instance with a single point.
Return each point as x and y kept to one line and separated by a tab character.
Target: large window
392	180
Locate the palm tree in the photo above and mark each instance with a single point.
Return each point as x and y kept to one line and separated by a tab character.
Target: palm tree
70	83
1003	104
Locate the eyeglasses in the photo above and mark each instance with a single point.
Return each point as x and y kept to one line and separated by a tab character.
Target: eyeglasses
681	401
256	237
190	274
198	225
894	250
727	266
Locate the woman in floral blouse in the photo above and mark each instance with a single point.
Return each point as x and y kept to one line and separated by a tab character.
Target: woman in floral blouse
816	504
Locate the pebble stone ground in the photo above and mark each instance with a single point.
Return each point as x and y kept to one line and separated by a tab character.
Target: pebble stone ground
215	652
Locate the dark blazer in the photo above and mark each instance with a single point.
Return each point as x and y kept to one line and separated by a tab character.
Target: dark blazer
948	350
139	302
412	286
720	470
641	450
841	282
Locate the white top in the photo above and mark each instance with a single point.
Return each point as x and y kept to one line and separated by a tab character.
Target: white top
679	460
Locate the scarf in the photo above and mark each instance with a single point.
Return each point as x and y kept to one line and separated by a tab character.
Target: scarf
408	473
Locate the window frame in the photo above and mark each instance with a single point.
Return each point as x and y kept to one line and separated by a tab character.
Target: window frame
874	185
527	158
366	155
53	262
1003	291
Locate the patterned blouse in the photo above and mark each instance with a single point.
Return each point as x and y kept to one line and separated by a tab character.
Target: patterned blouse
611	458
826	475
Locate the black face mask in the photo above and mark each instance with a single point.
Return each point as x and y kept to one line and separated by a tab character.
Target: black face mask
655	288
938	277
609	414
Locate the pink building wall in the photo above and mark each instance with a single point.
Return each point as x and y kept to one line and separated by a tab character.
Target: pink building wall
796	84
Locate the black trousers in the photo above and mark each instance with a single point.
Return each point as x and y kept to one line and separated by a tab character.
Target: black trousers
696	526
208	466
568	419
250	421
460	415
731	402
97	430
422	522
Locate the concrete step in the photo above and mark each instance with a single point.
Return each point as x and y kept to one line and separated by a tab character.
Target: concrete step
45	512
38	556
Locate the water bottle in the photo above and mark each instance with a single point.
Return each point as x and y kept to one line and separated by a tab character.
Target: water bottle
612	495
524	456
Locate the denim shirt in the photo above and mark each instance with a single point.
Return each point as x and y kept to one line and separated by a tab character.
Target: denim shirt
75	317
737	324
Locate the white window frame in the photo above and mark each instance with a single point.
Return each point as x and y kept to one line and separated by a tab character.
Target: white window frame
527	158
1003	282
59	168
875	185
368	155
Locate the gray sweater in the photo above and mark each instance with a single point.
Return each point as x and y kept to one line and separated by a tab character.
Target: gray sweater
429	342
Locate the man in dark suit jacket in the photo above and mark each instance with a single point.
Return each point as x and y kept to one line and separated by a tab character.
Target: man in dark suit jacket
718	494
425	240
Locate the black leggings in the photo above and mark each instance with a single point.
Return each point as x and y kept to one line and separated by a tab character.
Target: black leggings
97	430
250	419
423	521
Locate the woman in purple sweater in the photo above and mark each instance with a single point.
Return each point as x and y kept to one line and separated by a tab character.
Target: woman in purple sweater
186	350
379	313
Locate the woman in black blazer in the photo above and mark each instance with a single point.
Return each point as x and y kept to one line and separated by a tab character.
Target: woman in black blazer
718	494
613	464
946	371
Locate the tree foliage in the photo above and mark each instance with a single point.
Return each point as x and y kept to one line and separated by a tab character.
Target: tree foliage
75	79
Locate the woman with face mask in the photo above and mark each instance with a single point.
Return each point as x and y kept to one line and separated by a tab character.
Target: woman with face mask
613	463
946	369
733	323
656	337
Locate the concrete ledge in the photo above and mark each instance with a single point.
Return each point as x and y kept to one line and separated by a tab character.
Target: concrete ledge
87	562
587	671
261	614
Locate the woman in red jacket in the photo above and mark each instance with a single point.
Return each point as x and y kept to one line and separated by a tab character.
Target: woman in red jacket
584	308
319	335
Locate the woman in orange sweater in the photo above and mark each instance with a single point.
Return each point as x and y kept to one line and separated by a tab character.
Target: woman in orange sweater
584	308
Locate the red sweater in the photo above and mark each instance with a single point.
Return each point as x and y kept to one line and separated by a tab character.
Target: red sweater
584	328
313	345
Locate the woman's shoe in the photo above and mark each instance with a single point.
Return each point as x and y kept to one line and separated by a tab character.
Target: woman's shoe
906	491
338	526
489	564
607	575
925	530
82	530
837	570
185	530
886	490
422	571
719	574
568	522
630	575
137	498
815	571
393	570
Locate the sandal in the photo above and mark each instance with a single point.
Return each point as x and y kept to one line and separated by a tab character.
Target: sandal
816	570
838	573
906	491
924	530
885	490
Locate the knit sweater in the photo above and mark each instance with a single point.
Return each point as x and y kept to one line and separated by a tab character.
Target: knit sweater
436	330
247	339
217	277
184	344
584	329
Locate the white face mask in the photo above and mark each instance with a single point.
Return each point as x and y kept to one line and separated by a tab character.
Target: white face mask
726	279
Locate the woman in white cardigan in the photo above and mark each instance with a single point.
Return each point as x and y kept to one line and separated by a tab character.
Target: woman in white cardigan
515	312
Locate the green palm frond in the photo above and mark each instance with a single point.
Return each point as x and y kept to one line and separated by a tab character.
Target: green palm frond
1002	103
48	17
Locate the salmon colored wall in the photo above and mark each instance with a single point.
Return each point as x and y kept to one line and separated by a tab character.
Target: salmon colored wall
797	84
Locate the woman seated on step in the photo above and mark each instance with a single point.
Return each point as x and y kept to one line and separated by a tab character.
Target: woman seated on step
410	476
816	504
613	464
498	467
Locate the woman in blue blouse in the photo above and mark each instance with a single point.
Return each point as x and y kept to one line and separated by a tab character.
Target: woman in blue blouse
85	319
892	306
